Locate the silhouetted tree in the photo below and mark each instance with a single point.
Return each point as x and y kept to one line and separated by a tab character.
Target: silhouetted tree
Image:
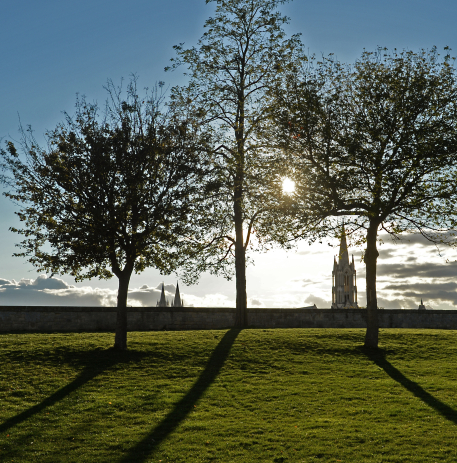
111	193
374	143
240	57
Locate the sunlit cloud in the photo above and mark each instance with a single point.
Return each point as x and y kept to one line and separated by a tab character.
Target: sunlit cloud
406	272
53	292
209	300
318	301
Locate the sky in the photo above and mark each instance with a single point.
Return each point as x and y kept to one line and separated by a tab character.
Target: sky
52	50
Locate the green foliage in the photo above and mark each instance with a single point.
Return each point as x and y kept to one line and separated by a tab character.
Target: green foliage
254	396
373	142
112	191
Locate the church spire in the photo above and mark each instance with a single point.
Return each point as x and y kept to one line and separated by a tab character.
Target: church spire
177	302
163	301
344	255
344	282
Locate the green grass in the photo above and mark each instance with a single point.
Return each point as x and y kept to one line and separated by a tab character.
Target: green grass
297	395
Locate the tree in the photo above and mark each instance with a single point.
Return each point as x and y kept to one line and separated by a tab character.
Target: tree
240	57
374	143
111	193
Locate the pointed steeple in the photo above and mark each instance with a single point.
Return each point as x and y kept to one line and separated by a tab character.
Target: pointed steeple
344	281
344	255
177	302
163	301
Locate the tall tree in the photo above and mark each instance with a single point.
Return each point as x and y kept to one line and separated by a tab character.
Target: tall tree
375	143
241	56
111	193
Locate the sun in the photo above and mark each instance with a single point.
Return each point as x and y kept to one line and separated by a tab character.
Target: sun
288	186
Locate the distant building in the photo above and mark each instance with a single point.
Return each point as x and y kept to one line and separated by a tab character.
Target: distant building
176	302
422	306
344	282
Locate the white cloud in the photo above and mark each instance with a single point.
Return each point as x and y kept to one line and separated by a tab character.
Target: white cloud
55	291
320	303
209	300
52	291
407	271
147	296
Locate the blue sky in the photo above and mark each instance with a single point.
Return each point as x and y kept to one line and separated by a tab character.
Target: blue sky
51	50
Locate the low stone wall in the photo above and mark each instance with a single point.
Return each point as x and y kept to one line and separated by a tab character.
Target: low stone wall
15	318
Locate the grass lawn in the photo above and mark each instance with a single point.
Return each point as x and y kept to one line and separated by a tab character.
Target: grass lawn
286	395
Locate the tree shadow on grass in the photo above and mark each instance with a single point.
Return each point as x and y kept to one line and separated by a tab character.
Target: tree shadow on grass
141	451
93	362
379	357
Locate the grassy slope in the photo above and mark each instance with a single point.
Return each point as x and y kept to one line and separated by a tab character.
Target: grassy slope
227	396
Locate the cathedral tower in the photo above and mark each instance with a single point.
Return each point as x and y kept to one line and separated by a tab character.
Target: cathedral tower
344	286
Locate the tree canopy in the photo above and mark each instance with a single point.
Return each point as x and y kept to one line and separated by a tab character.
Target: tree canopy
111	193
375	144
241	56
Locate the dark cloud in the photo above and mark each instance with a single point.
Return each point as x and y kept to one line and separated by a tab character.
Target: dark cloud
417	238
446	291
386	253
424	270
360	273
402	287
432	296
387	247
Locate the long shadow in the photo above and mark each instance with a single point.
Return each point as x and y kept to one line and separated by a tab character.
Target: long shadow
95	363
379	358
145	447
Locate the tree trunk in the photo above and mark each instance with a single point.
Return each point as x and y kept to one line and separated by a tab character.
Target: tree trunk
241	318
120	339
371	256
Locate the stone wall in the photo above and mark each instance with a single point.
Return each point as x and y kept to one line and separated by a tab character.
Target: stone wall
15	318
